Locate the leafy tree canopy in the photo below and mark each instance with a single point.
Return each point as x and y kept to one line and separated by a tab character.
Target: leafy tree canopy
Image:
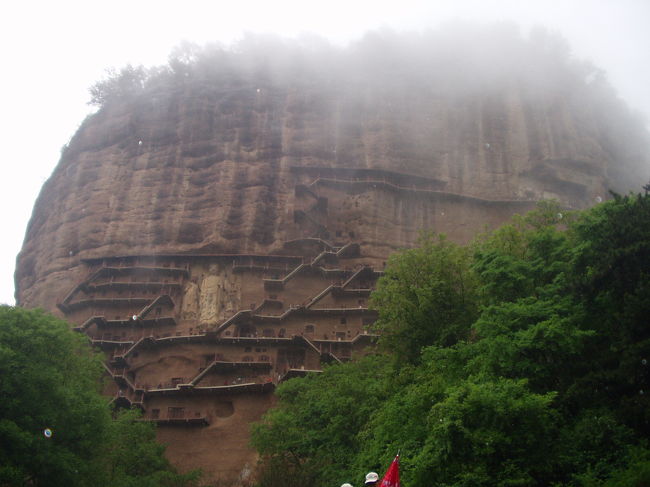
522	359
313	432
427	297
49	380
125	83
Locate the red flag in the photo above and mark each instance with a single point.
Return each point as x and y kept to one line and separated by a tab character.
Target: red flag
391	479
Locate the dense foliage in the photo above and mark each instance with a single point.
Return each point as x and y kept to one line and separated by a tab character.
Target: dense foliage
435	279
521	359
49	380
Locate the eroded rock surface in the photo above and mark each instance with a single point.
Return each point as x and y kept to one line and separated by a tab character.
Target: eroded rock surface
216	238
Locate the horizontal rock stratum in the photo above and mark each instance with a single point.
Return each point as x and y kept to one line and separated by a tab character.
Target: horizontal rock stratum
217	225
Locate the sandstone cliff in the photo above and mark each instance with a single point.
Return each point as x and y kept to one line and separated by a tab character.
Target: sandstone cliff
241	153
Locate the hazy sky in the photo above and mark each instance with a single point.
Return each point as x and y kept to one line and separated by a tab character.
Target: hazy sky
54	50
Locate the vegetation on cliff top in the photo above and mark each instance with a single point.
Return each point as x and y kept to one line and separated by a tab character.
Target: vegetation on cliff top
56	429
457	62
522	359
457	58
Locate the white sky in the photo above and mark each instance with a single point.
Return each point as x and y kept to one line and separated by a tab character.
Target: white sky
53	51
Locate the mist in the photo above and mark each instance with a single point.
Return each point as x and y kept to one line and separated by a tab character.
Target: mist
59	50
442	75
456	56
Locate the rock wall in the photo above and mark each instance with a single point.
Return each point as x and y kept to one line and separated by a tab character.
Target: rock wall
217	238
215	170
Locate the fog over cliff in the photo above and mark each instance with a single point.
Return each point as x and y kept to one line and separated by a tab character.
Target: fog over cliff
201	154
456	62
256	190
59	49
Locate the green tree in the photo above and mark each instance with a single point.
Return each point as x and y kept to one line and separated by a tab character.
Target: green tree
492	432
519	258
544	380
131	457
129	81
313	431
50	380
427	297
610	275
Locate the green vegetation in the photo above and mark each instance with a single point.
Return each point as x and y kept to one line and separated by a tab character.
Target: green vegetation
520	360
433	280
50	379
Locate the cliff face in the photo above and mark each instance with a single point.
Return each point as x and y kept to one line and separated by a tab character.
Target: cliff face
218	194
215	170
